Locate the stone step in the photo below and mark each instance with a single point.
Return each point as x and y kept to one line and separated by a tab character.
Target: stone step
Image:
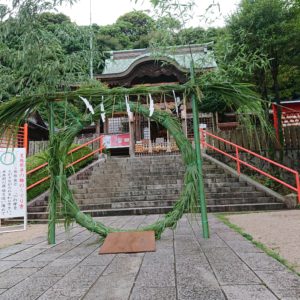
107	203
156	180
134	174
144	160
41	217
89	193
231	182
146	185
226	198
126	181
246	207
103	199
237	200
157	166
150	190
214	179
91	205
85	207
160	196
107	189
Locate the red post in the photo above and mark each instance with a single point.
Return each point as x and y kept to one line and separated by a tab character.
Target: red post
298	186
202	138
101	144
238	166
275	120
25	143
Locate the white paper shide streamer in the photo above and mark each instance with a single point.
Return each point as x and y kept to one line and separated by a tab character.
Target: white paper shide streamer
87	104
129	112
102	110
151	108
176	104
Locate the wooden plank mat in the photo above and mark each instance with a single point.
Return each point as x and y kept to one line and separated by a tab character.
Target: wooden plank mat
129	242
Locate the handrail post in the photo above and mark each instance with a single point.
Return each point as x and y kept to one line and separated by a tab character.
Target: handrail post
298	186
238	165
202	138
100	145
25	142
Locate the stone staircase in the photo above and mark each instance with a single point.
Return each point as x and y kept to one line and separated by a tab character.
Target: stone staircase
148	185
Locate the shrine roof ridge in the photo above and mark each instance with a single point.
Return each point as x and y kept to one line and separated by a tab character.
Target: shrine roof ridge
180	56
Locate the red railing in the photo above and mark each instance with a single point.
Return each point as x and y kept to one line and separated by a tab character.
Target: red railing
236	157
100	149
15	137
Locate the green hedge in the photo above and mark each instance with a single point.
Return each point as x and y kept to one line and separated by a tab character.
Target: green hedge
40	158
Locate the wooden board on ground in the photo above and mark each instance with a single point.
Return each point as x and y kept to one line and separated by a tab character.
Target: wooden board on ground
128	242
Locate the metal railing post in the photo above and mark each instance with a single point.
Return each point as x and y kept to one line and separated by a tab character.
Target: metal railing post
101	144
298	186
202	139
25	142
238	165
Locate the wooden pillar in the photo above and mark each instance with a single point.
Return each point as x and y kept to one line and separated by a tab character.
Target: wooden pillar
106	126
98	128
138	127
149	128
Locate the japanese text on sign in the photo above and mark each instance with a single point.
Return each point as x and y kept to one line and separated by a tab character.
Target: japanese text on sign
12	183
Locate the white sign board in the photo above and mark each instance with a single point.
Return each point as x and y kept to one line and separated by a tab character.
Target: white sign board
13	201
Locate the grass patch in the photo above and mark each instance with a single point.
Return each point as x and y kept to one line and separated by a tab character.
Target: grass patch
40	158
223	217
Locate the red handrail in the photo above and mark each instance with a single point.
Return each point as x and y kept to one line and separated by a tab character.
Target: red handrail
100	149
19	138
240	162
25	142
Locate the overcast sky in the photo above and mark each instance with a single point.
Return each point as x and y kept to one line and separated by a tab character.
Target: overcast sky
107	11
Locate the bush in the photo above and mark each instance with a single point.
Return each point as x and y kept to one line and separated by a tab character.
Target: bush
40	158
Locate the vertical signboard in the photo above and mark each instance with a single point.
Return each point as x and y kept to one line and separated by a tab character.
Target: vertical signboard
13	201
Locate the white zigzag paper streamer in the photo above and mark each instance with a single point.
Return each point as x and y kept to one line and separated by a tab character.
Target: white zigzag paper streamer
129	113
87	104
151	108
102	110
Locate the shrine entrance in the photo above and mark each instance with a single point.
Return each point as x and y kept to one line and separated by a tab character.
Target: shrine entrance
139	68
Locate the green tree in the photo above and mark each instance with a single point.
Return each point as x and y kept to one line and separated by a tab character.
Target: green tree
136	25
46	52
130	31
269	29
266	30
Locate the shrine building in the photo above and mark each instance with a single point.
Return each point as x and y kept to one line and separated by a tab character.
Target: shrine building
130	68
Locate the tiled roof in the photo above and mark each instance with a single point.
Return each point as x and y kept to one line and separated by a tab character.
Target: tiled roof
121	61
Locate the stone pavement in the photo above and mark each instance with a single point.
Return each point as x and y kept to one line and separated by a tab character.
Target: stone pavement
185	266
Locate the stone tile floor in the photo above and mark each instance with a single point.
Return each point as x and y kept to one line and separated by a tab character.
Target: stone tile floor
185	266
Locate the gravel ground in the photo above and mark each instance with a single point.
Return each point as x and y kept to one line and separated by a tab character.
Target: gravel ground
12	238
279	231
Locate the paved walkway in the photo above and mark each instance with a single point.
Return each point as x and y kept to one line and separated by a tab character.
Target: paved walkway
184	267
